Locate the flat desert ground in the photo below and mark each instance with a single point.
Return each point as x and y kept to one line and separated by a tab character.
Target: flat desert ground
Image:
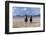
18	22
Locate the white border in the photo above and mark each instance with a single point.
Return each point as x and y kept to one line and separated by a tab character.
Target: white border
11	29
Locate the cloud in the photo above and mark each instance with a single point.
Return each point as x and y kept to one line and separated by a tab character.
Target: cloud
26	11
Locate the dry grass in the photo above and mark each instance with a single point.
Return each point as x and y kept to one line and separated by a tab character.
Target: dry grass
19	22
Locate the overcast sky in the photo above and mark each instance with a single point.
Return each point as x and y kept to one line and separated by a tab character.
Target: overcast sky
25	11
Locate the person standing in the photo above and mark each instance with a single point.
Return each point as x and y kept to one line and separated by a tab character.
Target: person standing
26	19
31	19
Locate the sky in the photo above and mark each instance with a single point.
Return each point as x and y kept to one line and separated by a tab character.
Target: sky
25	11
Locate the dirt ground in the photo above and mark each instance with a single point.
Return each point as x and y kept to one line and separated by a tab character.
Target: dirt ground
19	22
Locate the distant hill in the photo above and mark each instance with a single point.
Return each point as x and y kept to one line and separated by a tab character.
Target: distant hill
27	15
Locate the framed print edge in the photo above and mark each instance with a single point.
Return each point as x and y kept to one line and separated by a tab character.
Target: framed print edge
7	17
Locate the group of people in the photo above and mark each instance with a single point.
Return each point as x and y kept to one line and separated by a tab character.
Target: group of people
26	19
